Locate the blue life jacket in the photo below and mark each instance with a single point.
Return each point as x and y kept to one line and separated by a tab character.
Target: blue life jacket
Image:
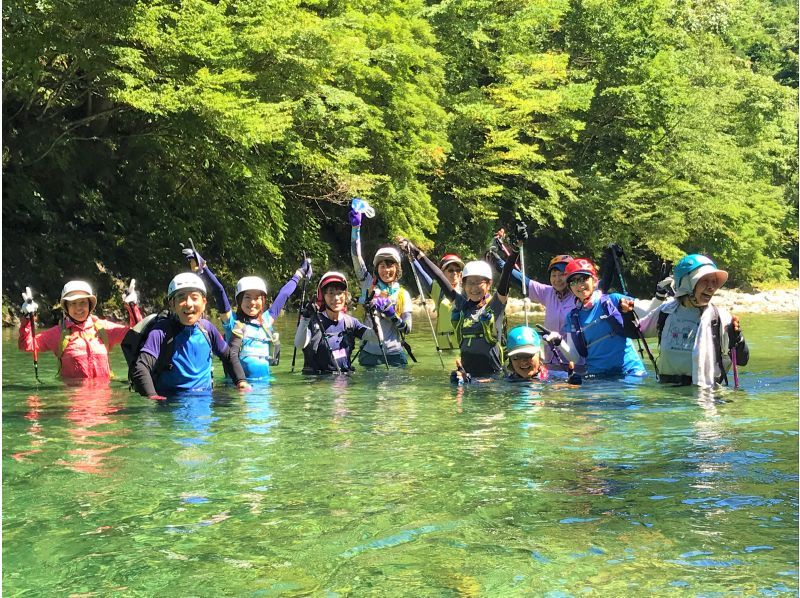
612	315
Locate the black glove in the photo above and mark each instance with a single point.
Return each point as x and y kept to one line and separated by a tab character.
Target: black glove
194	259
521	233
308	310
664	288
615	249
408	247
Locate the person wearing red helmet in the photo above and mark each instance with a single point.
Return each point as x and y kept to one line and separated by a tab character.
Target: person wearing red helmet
326	333
599	328
381	291
452	266
556	298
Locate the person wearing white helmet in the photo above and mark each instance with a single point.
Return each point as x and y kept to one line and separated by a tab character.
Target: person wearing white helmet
477	315
81	341
452	266
326	333
381	291
176	353
250	329
697	339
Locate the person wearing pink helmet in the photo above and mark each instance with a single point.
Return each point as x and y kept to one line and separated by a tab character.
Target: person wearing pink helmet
599	328
81	341
327	334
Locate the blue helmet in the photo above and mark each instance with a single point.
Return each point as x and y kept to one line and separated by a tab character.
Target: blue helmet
686	273
523	339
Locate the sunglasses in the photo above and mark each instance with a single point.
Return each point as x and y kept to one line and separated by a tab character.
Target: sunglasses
578	280
453	270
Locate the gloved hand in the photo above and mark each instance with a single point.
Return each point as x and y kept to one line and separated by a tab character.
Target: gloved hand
521	234
384	305
194	259
736	331
408	247
617	250
29	307
493	257
554	338
665	288
308	310
355	217
131	296
304	271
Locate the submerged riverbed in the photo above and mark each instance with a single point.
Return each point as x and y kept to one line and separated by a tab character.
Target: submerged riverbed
399	484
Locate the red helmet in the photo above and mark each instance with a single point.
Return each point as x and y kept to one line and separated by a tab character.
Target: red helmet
580	265
450	258
328	278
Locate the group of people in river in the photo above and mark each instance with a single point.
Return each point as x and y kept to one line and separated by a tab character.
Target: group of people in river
587	331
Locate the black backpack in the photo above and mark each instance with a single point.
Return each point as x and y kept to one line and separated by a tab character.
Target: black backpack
135	338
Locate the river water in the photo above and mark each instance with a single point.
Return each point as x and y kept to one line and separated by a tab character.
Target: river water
399	484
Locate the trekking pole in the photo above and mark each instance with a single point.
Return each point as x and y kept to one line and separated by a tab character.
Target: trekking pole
318	320
376	326
299	312
640	340
425	304
32	319
572	377
524	288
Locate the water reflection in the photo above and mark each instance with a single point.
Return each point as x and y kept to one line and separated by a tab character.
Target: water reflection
89	412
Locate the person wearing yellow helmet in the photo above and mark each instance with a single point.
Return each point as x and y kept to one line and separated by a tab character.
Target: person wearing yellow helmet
452	266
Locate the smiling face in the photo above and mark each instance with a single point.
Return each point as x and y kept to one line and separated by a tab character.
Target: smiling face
704	289
253	303
387	271
582	286
78	309
189	306
476	288
335	297
557	280
453	273
525	365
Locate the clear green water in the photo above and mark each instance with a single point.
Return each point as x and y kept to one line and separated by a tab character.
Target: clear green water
397	484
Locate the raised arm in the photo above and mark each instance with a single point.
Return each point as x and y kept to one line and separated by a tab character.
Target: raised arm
362	273
429	267
289	288
427	281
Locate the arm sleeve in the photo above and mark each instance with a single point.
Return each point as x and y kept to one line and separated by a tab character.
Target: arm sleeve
142	377
568	350
283	296
302	335
427	282
505	275
649	323
436	274
45	341
362	273
220	298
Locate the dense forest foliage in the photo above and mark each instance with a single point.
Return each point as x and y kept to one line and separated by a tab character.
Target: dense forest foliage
668	126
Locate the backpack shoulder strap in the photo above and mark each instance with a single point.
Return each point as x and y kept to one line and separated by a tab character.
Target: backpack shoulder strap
660	323
715	333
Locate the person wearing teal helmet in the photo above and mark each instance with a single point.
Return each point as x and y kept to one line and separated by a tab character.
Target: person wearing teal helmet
524	349
697	340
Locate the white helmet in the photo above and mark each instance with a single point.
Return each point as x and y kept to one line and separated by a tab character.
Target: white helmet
184	281
477	268
78	289
386	254
250	283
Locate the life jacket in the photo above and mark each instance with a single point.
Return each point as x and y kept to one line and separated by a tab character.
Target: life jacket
715	335
240	330
612	316
487	331
67	336
317	358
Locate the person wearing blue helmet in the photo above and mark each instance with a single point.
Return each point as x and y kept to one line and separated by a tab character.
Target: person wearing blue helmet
697	340
524	350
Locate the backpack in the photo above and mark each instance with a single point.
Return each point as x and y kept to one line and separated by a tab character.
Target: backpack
135	338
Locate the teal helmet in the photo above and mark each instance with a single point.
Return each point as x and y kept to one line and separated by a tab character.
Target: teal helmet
690	269
523	339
